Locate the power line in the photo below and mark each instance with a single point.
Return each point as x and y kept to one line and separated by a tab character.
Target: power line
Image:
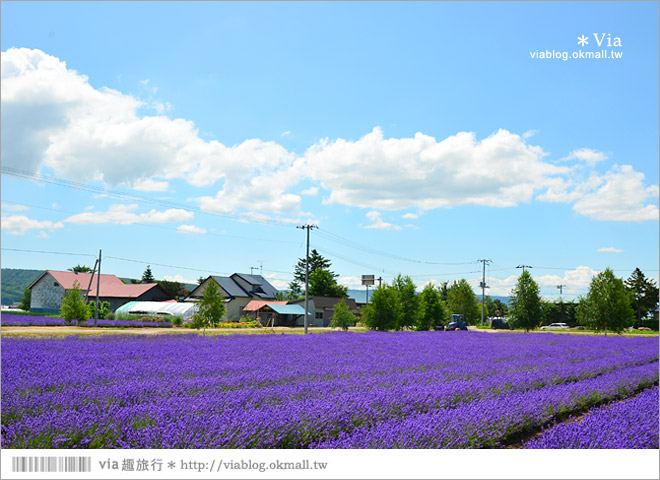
53	253
15	172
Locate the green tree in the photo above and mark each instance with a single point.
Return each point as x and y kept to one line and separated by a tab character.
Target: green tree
342	317
410	303
73	306
80	269
316	262
147	276
211	308
384	310
501	306
175	289
607	304
104	309
461	299
644	294
323	283
201	280
25	301
432	308
444	291
525	300
295	289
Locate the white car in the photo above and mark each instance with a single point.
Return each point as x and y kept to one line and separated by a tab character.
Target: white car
556	326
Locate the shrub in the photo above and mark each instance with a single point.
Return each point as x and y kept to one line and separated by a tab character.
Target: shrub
73	306
343	317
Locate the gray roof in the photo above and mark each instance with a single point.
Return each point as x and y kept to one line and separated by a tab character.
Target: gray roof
243	285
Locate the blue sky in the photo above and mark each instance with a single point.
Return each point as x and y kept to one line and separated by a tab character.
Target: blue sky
419	137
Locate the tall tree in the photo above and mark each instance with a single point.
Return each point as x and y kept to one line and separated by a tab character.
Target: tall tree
316	262
501	306
384	310
410	304
322	283
175	289
211	308
644	294
432	308
147	276
526	311
461	299
295	290
607	304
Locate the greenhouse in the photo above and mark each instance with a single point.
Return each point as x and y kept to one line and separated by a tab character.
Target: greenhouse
184	310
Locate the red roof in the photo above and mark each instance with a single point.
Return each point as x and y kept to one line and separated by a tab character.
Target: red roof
111	285
255	305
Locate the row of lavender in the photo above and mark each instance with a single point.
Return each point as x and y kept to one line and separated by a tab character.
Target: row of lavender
338	390
632	422
13	320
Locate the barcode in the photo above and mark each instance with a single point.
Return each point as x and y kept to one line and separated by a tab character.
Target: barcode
51	464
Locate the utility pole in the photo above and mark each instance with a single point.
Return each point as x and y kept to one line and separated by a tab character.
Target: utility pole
380	281
307	227
561	289
98	286
524	267
483	288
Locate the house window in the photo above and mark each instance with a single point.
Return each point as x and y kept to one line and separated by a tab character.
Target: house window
319	315
55	284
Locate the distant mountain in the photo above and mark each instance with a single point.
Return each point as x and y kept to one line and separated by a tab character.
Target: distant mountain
14	281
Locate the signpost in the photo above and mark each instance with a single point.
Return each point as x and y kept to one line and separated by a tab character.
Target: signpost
368	280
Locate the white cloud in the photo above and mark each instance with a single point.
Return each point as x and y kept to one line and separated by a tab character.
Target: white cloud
587	155
20	224
150	185
284	134
310	191
411	216
529	133
190	229
622	197
9	207
123	215
178	278
378	223
52	116
393	174
610	250
353	282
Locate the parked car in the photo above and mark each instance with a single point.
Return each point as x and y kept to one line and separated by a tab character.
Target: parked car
556	326
499	323
439	328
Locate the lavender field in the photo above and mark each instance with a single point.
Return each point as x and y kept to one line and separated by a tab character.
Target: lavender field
334	390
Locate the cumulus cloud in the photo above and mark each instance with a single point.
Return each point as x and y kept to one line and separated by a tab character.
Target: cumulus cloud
411	216
392	174
378	223
190	229
124	215
52	117
610	250
621	197
20	224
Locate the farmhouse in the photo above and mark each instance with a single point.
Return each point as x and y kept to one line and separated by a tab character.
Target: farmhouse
324	309
276	313
48	290
238	289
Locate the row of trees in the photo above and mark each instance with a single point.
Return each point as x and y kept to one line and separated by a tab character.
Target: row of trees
610	305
